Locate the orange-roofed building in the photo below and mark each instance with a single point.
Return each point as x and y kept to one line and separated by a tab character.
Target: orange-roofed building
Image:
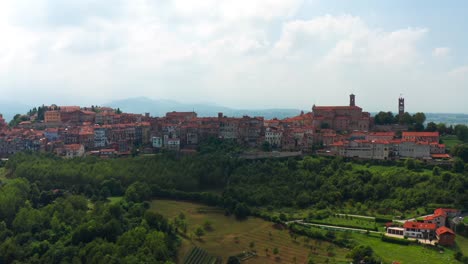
421	137
341	118
178	117
445	236
419	230
381	136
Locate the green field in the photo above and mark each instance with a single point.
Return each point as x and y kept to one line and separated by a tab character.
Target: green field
348	222
405	254
450	141
231	237
462	244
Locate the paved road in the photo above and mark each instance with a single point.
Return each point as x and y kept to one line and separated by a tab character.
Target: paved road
334	227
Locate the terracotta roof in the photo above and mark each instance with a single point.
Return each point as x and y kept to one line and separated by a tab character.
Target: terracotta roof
335	108
382	134
420	134
69	108
418	225
73	146
440	156
107	150
443	230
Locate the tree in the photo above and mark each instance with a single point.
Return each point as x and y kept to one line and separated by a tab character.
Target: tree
252	245
431	127
137	192
361	253
462	132
241	211
406	119
458	165
266	146
199	232
208	225
461	151
442	128
419	118
233	260
385	118
275	251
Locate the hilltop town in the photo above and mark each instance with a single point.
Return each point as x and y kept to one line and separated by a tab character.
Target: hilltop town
347	131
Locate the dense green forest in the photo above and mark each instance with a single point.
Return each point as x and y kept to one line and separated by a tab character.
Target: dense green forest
55	210
56	226
308	182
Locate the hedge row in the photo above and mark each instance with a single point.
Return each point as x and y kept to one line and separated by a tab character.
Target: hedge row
395	240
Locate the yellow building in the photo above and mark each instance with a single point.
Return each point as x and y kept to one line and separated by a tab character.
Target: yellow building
52	116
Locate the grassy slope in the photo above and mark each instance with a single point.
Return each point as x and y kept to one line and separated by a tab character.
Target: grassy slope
462	244
222	240
405	254
450	141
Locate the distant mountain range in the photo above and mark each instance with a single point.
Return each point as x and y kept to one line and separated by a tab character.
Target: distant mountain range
161	107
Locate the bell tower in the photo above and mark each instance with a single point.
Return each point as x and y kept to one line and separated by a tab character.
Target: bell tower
401	106
352	100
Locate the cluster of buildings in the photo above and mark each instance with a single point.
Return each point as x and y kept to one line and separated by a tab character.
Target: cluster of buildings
385	146
432	227
333	130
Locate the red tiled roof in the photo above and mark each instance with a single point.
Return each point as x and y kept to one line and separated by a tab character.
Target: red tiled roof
443	230
440	212
335	107
431	217
69	108
418	225
420	134
382	134
72	146
440	156
108	150
385	142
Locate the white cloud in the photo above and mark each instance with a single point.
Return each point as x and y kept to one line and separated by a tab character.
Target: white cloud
242	53
348	39
236	10
441	52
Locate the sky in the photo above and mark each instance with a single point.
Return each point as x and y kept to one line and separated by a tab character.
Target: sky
240	54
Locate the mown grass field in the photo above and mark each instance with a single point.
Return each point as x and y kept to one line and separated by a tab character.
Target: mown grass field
231	237
413	254
450	141
462	244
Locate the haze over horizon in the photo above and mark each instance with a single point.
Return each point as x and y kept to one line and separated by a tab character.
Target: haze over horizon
239	54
